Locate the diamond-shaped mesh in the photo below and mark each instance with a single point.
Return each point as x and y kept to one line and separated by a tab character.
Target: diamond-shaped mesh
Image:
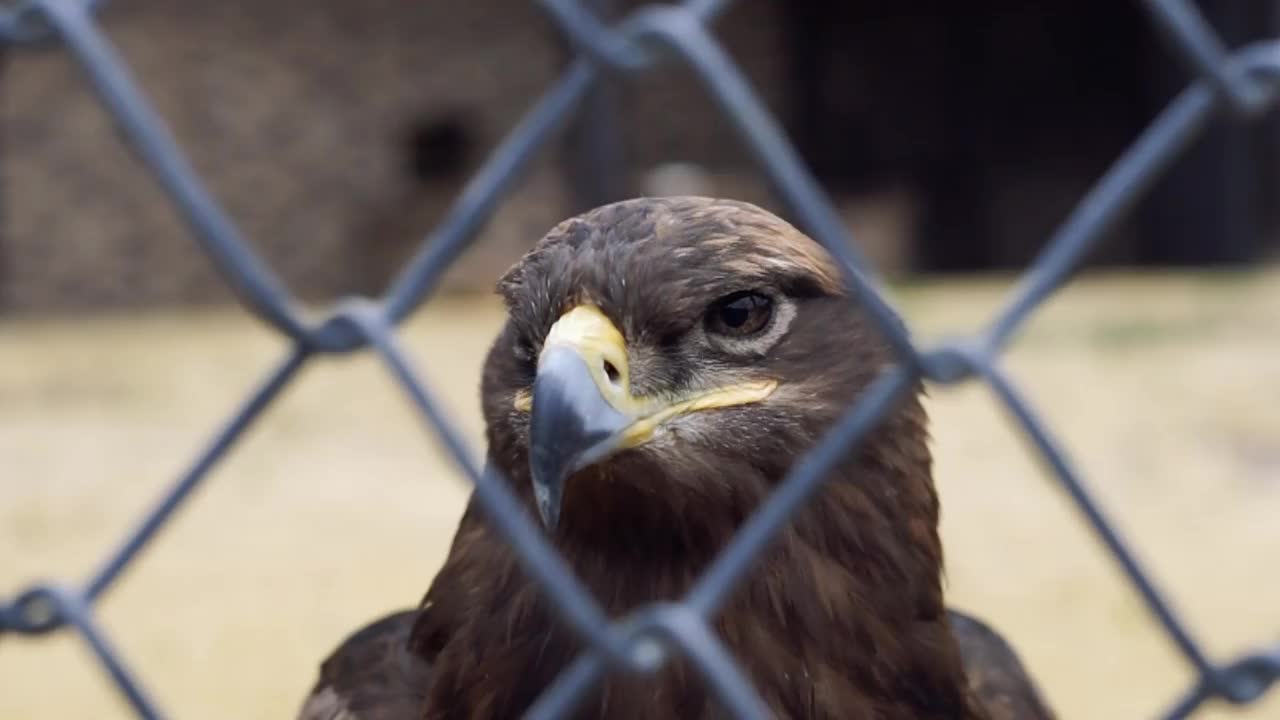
1245	82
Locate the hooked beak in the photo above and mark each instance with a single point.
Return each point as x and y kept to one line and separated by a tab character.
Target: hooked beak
582	409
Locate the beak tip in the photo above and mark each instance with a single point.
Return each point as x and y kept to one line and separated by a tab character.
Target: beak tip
548	506
549	519
570	420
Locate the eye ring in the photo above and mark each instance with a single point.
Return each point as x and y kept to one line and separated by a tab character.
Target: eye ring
740	314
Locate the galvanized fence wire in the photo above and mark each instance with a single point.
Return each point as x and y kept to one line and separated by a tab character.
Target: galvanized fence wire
1245	82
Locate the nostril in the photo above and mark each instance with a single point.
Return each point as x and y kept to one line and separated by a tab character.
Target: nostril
612	372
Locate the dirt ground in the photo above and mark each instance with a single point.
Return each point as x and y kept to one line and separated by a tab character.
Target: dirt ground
338	505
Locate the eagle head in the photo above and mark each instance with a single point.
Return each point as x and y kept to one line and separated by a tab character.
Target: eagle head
663	365
665	361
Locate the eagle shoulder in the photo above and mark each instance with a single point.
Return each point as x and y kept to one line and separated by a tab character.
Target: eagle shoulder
996	675
372	675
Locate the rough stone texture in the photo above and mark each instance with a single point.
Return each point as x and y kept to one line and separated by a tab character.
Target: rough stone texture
296	114
293	112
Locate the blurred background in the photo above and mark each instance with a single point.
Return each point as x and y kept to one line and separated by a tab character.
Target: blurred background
953	138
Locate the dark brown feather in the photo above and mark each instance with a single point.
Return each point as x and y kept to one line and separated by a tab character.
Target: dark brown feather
841	617
996	674
371	675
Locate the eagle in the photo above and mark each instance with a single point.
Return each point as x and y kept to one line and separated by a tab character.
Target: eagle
663	364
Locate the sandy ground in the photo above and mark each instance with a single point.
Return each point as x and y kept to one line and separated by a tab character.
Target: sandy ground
338	505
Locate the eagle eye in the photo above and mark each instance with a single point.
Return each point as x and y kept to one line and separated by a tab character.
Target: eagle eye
740	314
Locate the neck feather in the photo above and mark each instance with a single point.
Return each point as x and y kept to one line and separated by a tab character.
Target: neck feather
842	616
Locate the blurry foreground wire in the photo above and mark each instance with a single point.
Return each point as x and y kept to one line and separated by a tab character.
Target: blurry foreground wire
1245	82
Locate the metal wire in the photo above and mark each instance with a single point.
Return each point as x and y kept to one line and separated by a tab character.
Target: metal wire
1245	82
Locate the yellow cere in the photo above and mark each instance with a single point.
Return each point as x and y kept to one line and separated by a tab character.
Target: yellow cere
591	334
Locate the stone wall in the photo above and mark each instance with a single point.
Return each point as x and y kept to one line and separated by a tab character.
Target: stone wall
338	132
299	115
302	118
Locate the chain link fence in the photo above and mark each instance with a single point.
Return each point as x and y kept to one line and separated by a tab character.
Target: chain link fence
1245	82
